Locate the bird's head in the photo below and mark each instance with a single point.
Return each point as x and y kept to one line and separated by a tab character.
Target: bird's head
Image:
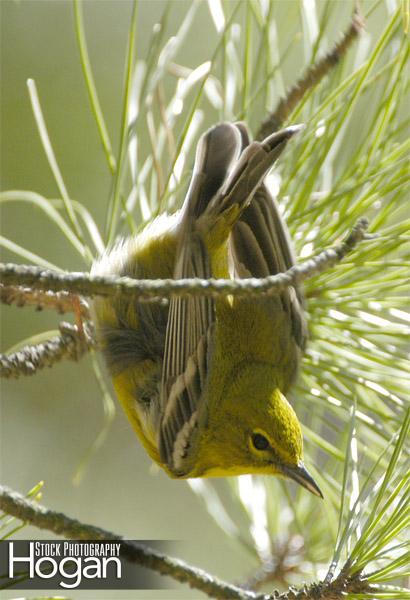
255	431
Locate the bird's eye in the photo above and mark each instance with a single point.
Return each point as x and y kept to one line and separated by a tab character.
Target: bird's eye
259	441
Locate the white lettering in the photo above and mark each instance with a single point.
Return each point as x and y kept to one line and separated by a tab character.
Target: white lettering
29	559
70	568
69	574
105	562
92	569
49	573
45	549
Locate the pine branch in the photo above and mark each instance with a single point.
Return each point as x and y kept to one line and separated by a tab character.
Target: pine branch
154	290
62	302
71	344
310	79
338	589
75	341
18	506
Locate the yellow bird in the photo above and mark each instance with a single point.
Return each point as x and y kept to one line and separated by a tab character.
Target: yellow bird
203	380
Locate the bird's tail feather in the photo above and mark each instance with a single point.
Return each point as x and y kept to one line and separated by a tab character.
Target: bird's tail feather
248	172
228	170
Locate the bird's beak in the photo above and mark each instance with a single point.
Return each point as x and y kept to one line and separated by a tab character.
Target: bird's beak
300	474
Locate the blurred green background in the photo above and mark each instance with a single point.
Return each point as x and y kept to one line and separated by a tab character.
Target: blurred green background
49	421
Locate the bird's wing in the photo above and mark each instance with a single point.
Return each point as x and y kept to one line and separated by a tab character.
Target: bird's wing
260	245
190	320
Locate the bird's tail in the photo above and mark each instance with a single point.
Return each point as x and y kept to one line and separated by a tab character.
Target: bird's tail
228	170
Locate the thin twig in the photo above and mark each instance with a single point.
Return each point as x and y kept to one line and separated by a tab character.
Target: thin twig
70	344
62	302
310	79
18	506
155	290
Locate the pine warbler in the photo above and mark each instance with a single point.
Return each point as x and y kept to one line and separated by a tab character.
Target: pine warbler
202	380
